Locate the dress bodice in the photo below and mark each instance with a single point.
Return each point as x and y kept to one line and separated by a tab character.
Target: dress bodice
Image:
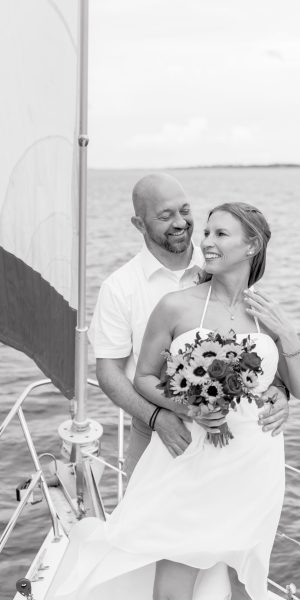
264	346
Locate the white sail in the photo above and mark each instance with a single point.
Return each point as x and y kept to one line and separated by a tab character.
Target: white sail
38	182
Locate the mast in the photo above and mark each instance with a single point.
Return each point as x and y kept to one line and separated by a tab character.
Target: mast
82	434
80	421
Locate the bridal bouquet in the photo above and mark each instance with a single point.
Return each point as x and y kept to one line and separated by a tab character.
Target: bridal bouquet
215	373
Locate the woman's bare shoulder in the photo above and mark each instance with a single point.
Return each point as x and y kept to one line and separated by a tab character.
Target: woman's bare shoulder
179	299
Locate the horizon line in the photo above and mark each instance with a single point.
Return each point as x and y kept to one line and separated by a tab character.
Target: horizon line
209	166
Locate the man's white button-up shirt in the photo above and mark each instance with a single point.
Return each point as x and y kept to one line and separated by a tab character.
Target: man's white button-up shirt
126	300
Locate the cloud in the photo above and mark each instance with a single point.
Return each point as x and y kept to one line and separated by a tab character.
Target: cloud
170	134
274	54
242	134
204	83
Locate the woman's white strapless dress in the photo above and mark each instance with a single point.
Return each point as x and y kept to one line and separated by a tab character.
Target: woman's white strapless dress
208	508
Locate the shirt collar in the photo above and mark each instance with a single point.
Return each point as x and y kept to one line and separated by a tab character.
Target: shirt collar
151	265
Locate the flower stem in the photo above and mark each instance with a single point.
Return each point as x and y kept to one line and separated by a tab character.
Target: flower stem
221	438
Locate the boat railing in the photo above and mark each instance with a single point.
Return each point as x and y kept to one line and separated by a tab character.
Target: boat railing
39	479
119	469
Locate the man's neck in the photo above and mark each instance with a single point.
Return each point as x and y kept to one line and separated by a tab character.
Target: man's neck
172	260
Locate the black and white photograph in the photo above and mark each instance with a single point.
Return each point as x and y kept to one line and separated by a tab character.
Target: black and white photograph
150	300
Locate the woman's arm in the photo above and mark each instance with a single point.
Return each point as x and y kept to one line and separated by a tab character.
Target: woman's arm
273	317
157	338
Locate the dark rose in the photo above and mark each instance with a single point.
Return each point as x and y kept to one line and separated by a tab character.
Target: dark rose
250	360
217	369
232	385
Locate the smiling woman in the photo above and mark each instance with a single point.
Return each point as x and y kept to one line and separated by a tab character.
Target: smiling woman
223	234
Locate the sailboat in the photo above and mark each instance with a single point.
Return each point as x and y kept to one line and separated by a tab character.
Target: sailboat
43	264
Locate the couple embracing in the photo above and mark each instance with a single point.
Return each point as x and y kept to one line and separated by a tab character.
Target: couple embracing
198	520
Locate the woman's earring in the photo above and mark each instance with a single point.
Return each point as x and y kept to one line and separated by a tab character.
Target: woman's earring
250	252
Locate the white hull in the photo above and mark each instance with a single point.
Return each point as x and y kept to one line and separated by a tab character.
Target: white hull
45	565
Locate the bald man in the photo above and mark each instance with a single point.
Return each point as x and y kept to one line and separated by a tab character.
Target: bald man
167	262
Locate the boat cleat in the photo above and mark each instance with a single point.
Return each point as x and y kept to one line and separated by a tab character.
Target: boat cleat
36	495
24	588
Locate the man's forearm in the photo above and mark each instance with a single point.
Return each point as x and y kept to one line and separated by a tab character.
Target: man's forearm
116	385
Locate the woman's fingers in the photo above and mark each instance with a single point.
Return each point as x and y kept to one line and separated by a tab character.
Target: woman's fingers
254	303
212	425
210	420
258	296
251	297
209	428
261	295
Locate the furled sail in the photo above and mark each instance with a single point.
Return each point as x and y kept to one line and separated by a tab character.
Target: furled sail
38	183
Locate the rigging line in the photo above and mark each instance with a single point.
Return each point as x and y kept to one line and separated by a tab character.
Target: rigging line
292	469
287	537
64	22
102	461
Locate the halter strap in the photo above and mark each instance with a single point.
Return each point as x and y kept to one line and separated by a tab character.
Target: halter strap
205	306
255	317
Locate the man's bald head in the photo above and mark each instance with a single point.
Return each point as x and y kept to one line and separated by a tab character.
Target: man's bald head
152	190
162	214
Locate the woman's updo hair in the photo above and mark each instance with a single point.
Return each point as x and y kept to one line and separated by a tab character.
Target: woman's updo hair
255	227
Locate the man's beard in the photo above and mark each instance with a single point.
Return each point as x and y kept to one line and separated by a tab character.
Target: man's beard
175	247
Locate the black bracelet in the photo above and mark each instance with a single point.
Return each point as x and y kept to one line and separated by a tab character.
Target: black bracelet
154	417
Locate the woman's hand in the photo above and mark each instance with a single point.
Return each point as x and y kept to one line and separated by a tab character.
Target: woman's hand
267	311
181	410
210	420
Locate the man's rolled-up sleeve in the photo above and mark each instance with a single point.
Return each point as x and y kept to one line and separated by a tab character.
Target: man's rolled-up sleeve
110	329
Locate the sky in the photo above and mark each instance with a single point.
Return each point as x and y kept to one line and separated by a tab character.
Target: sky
175	83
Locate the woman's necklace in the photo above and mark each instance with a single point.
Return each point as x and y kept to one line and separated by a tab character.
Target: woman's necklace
232	313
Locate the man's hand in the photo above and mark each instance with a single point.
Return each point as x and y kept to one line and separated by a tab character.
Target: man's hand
172	432
210	420
274	418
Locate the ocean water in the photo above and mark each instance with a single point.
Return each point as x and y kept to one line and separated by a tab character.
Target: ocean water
112	240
